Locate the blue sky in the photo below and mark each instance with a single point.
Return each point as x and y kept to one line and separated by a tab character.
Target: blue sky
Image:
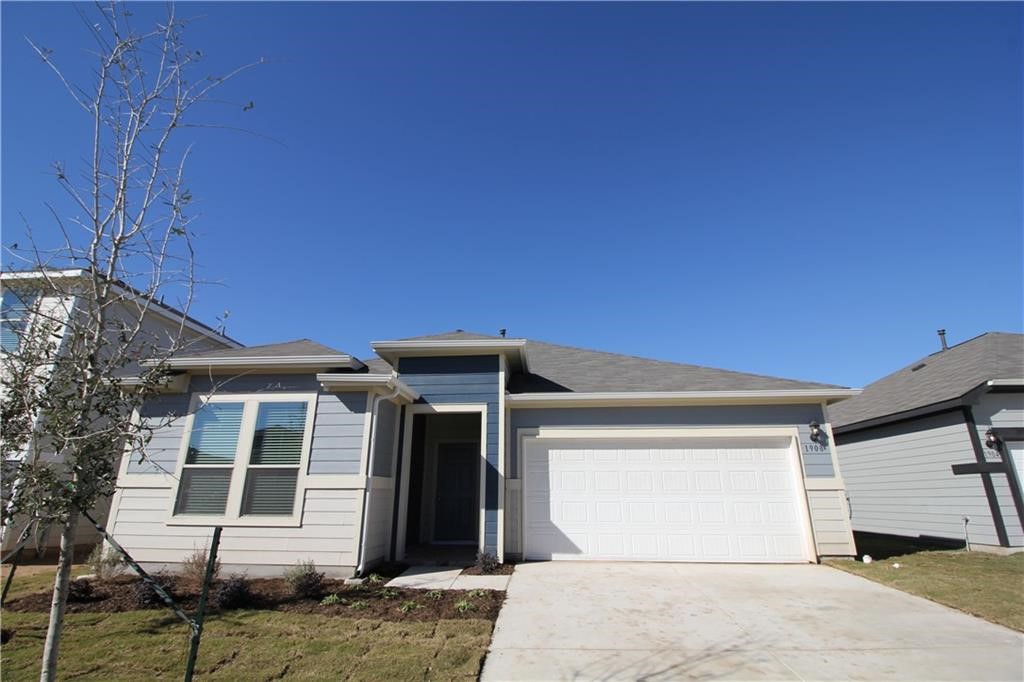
807	190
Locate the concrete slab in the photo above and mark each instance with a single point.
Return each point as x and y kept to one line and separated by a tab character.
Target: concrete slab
427	578
588	620
481	582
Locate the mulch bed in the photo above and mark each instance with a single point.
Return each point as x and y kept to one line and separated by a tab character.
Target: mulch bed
502	569
370	600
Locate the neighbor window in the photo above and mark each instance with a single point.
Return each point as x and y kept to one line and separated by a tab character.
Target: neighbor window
244	457
14	313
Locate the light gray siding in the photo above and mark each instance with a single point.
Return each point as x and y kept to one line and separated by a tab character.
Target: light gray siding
900	481
817	460
330	521
1002	410
338	433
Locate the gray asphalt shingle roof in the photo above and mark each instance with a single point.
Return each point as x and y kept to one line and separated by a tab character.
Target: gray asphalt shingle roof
300	347
556	368
936	378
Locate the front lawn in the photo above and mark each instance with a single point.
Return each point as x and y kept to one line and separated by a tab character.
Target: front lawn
369	633
985	585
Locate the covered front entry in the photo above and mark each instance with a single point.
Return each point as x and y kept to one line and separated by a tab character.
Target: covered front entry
665	499
443	506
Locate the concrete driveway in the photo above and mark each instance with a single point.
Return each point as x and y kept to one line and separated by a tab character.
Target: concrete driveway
610	621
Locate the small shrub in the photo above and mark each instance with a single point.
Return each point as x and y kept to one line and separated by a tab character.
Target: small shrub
145	596
476	594
408	606
79	590
193	569
464	605
359	604
104	563
436	595
389	593
375	578
331	600
487	562
306	582
233	593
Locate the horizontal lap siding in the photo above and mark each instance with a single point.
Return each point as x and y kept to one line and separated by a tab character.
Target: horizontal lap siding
378	525
464	379
900	481
338	433
164	414
327	535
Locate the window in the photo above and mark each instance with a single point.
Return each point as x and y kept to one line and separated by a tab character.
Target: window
244	457
14	313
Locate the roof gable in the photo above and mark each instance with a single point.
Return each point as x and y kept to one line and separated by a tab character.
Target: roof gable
299	347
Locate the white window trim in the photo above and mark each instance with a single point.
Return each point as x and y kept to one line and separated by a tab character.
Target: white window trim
233	511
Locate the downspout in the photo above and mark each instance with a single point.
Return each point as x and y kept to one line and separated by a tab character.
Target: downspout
369	476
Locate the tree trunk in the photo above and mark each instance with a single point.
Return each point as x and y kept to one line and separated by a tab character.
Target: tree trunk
51	649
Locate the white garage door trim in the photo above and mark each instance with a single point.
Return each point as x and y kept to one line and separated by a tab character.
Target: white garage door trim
530	442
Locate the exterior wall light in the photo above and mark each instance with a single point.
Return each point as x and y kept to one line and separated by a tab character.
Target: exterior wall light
992	441
815	431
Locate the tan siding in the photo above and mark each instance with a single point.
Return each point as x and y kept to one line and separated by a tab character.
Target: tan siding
829	520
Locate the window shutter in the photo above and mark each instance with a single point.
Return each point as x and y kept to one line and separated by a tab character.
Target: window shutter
215	434
204	491
270	492
280	428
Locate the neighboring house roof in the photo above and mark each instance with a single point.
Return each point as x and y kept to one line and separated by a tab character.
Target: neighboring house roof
935	379
556	368
301	353
299	347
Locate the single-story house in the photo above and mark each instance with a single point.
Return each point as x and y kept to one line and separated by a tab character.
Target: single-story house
935	451
513	447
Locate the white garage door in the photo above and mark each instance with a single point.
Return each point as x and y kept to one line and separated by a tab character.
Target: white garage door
665	500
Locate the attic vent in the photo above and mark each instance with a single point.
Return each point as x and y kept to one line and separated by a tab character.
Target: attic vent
917	367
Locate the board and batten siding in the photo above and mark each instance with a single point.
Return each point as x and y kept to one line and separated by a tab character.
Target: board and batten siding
331	516
330	525
1002	410
470	379
900	481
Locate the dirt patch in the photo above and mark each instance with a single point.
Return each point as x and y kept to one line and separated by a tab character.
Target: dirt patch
370	600
502	569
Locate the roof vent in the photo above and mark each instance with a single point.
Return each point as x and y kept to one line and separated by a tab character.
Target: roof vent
917	367
502	332
942	339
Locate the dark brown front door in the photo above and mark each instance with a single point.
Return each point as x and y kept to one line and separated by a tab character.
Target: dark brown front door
455	507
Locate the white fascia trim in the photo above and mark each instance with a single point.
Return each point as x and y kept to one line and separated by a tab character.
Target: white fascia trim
680	397
290	361
368	382
994	383
389	350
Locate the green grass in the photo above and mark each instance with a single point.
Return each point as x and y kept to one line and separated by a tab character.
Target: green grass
985	585
39	582
243	645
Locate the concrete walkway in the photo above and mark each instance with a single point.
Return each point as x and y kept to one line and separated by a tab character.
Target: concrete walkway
619	621
447	578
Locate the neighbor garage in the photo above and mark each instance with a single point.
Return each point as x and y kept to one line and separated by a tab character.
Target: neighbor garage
661	497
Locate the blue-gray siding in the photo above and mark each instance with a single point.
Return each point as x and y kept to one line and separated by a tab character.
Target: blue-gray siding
464	379
384	445
337	431
817	464
164	414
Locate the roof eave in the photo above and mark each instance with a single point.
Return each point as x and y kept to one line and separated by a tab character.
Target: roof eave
514	350
368	382
293	362
657	398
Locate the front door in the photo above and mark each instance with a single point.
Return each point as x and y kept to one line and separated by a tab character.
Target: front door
455	510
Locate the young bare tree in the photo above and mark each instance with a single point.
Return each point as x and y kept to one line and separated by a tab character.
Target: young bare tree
125	244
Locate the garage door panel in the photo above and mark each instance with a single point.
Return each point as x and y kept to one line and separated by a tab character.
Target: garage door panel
666	503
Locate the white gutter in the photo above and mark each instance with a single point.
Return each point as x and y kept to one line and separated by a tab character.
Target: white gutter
369	474
239	362
570	399
355	382
995	383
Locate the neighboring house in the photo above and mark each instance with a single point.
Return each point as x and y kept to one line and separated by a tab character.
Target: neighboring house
939	442
517	448
53	297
